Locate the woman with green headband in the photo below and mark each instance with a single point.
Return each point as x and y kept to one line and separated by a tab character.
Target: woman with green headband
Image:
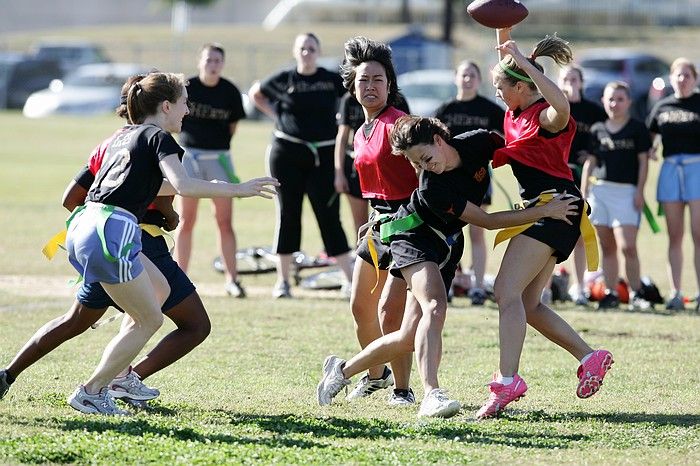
538	132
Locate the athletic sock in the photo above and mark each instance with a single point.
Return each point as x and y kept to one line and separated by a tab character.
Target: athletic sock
586	357
504	380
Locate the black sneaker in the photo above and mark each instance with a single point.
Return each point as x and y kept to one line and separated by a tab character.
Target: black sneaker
4	383
401	397
609	301
478	296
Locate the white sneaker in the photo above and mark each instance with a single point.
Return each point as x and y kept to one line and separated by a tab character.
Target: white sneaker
130	386
332	381
366	386
438	404
235	289
102	403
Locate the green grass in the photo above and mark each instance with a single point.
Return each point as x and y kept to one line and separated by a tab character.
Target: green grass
246	395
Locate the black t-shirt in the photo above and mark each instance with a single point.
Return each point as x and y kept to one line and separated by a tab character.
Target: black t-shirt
212	110
585	113
617	153
130	176
678	123
441	198
305	105
462	116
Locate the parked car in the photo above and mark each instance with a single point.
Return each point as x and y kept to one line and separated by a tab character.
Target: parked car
426	90
638	69
20	75
89	90
70	54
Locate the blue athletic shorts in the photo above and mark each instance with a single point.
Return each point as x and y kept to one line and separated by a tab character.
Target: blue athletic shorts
679	179
155	248
122	239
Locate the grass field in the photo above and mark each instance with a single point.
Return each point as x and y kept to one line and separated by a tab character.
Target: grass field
246	395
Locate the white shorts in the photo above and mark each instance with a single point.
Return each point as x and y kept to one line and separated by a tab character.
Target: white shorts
612	204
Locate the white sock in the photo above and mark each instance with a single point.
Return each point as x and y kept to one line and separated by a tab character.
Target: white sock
586	357
504	380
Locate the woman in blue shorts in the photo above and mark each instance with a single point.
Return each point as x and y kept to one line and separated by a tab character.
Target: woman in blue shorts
676	120
104	237
183	306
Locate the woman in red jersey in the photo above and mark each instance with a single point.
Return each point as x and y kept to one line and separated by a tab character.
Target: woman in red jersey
377	299
538	131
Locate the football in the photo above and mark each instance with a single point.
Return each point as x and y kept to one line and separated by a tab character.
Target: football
497	14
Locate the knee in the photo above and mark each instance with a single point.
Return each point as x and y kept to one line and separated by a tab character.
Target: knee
151	322
506	298
202	330
435	311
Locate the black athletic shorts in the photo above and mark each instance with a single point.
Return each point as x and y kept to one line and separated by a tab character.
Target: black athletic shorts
557	234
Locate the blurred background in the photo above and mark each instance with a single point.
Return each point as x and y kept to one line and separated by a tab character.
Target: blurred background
43	45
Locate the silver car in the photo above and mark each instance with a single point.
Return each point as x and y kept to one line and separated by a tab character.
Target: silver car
89	90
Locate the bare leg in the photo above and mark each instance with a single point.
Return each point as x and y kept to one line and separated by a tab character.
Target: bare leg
183	239
391	309
364	305
344	261
193	327
580	264
608	247
141	299
626	238
546	321
428	290
223	212
388	347
53	334
523	261
284	266
675	221
478	244
695	231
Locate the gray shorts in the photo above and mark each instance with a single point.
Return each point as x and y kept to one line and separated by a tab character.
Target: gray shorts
209	165
86	252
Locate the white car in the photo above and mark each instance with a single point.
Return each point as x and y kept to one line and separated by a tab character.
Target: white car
426	90
89	90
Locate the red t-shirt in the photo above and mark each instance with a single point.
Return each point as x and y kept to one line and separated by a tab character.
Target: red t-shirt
526	144
383	175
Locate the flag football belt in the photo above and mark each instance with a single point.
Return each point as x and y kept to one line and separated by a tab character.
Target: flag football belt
222	158
389	227
648	215
313	146
59	239
587	231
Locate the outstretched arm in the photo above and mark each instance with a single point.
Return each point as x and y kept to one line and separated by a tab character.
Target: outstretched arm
191	187
560	207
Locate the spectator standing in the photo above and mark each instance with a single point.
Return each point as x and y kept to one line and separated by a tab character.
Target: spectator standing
470	111
216	108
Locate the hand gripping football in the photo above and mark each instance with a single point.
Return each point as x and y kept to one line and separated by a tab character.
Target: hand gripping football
497	14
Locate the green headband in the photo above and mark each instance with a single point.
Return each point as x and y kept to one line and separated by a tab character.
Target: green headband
513	73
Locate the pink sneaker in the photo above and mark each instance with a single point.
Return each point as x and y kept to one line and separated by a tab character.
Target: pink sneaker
591	373
501	395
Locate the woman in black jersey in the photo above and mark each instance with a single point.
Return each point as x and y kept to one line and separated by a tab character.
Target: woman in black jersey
613	182
467	112
585	113
426	245
303	102
676	120
104	239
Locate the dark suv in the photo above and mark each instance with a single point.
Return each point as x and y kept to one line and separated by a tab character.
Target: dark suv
20	75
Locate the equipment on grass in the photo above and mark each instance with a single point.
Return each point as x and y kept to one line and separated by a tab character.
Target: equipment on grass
497	14
107	320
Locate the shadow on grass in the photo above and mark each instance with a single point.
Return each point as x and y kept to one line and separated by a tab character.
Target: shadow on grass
378	429
657	419
138	427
